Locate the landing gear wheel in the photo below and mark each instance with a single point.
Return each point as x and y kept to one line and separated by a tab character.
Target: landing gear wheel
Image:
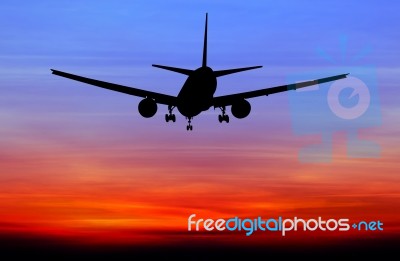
226	118
189	126
170	116
223	117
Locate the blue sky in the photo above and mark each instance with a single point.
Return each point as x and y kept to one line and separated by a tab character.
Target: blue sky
118	41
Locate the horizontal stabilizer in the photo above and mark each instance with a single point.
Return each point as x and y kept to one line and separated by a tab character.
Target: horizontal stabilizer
174	69
230	71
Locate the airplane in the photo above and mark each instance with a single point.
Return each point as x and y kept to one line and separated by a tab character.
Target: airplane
197	93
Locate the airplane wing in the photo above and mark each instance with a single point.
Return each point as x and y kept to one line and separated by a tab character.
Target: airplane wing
158	97
227	100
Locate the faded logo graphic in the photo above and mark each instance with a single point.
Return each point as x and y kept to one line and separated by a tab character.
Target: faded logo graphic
347	105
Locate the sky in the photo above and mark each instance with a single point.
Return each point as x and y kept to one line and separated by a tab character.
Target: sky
79	162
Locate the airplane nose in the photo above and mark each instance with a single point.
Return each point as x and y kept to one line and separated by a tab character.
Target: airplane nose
189	109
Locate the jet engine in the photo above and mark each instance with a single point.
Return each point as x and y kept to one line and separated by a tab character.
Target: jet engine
241	109
147	107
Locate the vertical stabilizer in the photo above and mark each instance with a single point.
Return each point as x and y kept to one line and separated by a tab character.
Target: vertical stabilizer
205	44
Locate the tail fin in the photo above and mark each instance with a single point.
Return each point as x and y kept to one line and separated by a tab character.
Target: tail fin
204	64
187	71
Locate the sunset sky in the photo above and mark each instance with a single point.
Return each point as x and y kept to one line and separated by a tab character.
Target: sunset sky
79	162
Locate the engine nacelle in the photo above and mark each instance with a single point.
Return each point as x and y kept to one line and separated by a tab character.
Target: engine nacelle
241	109
147	107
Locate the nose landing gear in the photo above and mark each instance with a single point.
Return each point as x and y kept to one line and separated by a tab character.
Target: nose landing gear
189	127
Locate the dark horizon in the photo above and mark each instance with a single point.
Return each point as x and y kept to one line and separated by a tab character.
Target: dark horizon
195	248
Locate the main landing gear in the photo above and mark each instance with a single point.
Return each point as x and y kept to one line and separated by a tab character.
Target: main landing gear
223	117
189	127
170	116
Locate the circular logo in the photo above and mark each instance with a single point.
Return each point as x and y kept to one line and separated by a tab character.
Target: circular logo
359	88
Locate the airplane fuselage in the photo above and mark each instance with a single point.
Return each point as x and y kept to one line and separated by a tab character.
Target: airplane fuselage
197	92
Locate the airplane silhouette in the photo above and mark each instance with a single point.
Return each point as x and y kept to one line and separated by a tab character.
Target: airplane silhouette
197	93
